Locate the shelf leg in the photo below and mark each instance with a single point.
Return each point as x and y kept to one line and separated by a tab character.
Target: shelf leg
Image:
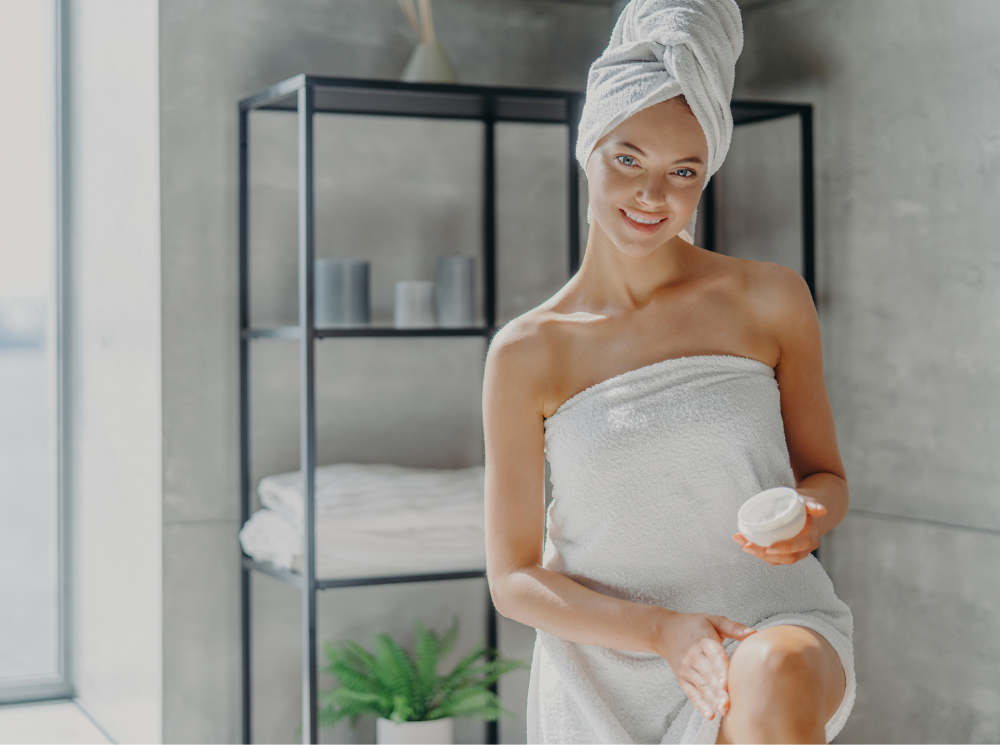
244	290
808	202
489	221
492	728
573	184
310	712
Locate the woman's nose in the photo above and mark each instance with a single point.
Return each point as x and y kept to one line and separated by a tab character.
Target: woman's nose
652	191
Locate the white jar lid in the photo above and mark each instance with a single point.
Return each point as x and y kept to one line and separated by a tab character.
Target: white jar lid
771	508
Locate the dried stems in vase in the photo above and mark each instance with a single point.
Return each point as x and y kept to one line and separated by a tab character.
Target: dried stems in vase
422	23
429	62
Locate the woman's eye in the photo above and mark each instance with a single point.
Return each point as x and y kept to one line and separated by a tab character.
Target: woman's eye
688	170
628	160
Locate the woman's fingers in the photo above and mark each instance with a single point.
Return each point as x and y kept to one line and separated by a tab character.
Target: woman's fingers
732	629
696	698
708	668
784	552
715	702
707	689
814	508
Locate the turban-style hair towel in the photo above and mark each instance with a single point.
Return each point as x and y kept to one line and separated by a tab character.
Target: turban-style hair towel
660	49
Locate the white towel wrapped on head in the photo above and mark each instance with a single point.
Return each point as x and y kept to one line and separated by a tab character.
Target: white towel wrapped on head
660	49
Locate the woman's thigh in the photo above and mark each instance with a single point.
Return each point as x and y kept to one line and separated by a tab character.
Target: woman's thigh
796	654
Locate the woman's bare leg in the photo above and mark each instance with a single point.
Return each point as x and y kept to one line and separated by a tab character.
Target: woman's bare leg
785	682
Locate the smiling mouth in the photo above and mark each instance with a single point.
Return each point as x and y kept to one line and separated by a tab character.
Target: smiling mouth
641	222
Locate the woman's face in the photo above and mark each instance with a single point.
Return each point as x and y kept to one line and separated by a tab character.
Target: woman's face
645	177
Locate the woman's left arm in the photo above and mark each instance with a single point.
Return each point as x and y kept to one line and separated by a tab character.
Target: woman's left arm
789	316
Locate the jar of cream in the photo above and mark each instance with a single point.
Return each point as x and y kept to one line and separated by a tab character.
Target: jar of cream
772	515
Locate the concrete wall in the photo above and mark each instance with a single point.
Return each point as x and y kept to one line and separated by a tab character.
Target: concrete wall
908	178
113	314
394	191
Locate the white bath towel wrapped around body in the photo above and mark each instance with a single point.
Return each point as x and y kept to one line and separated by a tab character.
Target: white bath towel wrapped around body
648	471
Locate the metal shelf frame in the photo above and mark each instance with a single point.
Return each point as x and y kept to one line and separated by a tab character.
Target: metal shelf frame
305	96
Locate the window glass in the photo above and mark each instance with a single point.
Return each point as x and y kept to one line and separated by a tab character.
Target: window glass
29	580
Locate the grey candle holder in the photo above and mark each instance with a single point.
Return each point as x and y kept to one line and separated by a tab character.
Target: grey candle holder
414	307
453	290
341	293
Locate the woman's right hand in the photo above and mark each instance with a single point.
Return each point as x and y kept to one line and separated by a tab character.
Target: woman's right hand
692	644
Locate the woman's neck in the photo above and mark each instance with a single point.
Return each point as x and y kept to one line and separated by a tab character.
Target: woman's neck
610	280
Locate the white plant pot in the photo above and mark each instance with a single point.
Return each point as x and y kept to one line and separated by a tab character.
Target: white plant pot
388	732
429	64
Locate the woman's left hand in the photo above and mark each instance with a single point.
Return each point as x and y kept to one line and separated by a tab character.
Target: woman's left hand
793	549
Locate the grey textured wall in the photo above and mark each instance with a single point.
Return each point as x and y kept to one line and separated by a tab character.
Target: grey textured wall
908	178
397	192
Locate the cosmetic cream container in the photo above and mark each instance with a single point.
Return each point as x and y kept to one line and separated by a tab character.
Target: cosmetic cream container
771	516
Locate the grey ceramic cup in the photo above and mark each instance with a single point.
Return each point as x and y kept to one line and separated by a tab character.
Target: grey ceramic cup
414	307
454	290
341	292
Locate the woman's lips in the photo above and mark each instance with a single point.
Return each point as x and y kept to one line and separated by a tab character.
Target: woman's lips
645	228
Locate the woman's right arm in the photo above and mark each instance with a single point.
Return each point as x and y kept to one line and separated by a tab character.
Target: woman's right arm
521	588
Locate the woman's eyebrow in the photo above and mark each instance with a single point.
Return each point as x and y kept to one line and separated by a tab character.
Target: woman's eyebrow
689	159
630	146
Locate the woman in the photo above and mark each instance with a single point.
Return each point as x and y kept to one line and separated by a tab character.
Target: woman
666	385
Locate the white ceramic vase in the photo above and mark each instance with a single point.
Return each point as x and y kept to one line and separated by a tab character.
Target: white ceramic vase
429	64
388	732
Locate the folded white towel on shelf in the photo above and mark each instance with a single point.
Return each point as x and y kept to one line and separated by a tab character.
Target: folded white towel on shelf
373	519
381	496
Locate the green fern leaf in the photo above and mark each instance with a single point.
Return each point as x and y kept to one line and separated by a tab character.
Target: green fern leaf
448	639
490	671
468	700
347	697
488	713
358	656
427	647
351	678
457	676
402	711
396	667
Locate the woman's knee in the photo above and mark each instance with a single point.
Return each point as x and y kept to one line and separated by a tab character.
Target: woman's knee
780	656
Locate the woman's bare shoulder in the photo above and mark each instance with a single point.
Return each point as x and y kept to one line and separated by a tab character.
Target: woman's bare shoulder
776	292
523	353
779	300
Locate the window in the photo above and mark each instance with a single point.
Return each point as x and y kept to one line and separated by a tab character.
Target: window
32	613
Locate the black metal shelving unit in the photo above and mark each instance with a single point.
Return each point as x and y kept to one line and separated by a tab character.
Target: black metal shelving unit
307	95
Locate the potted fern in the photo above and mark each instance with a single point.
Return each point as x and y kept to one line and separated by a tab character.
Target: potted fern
413	702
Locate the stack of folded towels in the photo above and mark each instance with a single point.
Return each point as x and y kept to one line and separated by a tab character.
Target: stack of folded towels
373	519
